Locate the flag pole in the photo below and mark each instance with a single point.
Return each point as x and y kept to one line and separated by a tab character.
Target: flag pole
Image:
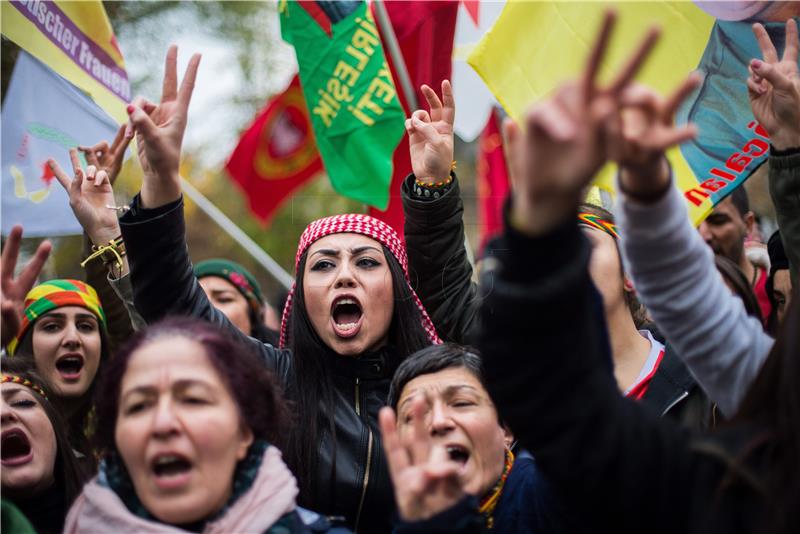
208	207
390	40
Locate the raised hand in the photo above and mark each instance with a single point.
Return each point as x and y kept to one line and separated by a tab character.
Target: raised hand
774	88
640	136
91	199
566	142
430	135
426	481
13	290
108	158
159	132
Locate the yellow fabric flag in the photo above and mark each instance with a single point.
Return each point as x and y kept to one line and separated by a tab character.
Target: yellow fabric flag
534	46
76	40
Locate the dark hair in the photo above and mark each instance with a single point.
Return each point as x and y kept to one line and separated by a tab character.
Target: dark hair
79	423
738	282
311	382
253	387
635	306
773	403
740	200
433	359
68	472
778	262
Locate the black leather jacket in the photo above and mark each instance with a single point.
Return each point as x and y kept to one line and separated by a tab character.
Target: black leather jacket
164	284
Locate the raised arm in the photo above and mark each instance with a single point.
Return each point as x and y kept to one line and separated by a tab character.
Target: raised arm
434	227
774	90
543	335
91	198
154	228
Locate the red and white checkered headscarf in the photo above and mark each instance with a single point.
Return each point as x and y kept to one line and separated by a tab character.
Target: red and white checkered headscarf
355	224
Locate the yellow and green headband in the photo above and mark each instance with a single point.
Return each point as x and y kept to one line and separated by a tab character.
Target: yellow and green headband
57	294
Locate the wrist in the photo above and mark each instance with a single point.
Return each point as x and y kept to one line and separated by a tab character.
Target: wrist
647	183
538	218
103	235
785	142
160	194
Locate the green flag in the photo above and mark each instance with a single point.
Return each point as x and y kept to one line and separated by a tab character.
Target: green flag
357	118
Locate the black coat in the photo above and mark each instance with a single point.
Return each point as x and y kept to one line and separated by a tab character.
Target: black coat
442	276
164	284
546	352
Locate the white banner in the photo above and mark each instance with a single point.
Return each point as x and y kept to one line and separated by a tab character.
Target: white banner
43	117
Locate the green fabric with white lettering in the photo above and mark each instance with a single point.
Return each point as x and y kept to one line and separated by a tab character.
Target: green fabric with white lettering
357	118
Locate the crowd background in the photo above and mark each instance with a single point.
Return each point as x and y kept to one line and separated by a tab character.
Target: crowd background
615	307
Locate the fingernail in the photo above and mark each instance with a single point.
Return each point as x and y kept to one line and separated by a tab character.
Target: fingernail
757	64
130	109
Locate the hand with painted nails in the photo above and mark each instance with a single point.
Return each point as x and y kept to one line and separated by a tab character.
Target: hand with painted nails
108	158
430	135
639	137
13	290
774	88
91	198
426	481
159	132
566	141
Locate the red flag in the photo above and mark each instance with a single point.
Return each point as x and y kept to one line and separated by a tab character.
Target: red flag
425	32
493	181
276	154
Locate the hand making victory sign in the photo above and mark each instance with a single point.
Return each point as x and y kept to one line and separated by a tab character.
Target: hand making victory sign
774	88
426	481
430	135
159	132
108	158
13	290
90	197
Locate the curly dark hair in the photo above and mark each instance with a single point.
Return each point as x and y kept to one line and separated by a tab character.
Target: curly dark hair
255	389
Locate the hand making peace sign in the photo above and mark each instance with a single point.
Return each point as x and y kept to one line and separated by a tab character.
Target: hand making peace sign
430	135
159	132
774	88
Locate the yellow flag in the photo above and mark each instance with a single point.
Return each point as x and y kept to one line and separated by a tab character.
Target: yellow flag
534	46
76	40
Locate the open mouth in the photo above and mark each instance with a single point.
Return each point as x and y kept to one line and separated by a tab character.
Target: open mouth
346	315
70	366
458	454
15	448
170	465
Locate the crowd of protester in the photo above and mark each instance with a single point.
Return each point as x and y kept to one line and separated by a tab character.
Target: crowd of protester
610	372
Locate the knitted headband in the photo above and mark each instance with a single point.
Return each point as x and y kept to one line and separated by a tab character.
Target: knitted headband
354	224
14	379
57	294
237	275
595	221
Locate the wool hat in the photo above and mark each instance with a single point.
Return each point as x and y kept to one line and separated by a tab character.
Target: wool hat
355	224
57	294
241	278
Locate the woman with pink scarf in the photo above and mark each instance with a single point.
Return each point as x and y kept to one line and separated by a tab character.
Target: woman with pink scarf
189	436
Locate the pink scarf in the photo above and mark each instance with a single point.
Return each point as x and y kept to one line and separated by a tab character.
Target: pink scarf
272	495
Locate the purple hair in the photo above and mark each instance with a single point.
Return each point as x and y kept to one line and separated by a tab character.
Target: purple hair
255	389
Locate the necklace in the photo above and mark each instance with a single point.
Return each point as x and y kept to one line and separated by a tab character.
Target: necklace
490	500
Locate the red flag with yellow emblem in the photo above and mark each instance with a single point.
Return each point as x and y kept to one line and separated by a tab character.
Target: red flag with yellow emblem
276	154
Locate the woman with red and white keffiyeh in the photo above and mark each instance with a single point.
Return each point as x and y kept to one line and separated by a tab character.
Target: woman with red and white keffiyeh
349	321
